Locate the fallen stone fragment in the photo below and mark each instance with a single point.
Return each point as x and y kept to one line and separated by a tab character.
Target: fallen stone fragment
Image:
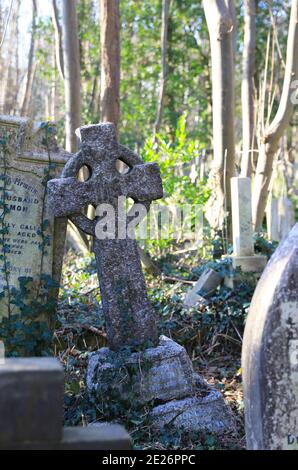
204	287
208	413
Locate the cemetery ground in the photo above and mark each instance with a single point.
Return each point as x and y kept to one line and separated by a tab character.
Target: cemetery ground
211	334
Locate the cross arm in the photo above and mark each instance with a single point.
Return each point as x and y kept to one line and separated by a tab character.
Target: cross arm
69	196
143	183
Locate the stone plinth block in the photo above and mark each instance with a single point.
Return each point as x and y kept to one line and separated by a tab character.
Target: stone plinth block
250	264
206	285
160	373
101	437
270	354
31	400
164	377
253	265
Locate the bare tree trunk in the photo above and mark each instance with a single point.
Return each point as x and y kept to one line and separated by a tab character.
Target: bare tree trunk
72	82
93	98
1	58
219	15
275	130
58	39
10	70
110	60
248	110
29	76
72	85
53	87
17	68
164	67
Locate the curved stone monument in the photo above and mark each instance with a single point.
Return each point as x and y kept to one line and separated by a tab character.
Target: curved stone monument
270	353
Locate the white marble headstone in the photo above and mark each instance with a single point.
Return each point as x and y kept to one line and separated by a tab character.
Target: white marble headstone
242	217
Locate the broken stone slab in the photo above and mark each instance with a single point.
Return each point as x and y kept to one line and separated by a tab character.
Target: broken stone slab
207	413
192	299
103	437
270	353
204	287
160	373
163	374
31	391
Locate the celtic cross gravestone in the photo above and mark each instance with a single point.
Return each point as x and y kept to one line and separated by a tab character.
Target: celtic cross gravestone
160	370
129	316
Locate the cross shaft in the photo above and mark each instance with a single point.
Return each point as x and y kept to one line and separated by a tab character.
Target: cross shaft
130	318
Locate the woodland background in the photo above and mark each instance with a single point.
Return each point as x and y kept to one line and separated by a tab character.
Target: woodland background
197	89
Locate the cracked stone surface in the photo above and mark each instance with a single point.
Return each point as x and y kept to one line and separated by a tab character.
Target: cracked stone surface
202	414
160	373
164	377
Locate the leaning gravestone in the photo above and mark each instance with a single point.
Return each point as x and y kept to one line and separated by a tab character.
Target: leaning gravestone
270	353
31	243
152	369
203	287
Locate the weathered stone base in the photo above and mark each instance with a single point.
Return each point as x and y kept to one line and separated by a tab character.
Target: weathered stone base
164	377
250	264
253	265
160	374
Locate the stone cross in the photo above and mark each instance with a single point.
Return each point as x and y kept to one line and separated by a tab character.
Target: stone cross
130	319
270	353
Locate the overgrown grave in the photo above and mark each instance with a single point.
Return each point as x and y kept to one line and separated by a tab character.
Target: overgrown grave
31	241
138	368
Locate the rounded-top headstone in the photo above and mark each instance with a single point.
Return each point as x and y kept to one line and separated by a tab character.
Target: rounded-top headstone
270	353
